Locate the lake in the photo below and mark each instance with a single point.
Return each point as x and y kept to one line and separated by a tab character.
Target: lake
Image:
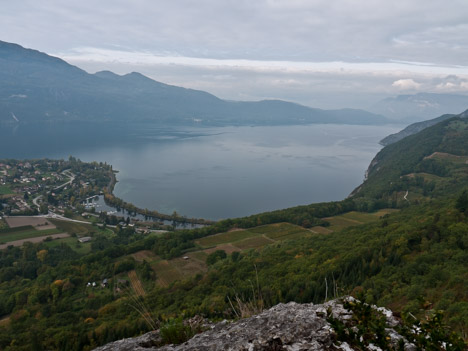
213	173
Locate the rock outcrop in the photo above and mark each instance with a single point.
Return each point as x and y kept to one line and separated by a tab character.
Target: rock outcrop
288	327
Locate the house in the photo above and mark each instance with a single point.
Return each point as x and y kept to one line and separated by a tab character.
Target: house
84	239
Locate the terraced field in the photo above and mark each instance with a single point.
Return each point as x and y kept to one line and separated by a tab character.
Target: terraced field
354	218
194	262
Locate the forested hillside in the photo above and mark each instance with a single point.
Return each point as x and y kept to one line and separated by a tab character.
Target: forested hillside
410	256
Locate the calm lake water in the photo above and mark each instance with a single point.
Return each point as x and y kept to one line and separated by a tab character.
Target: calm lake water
214	172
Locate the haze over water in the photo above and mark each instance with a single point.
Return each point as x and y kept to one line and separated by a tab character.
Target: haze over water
215	172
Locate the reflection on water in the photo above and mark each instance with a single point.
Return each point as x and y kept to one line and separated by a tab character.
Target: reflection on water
99	205
213	172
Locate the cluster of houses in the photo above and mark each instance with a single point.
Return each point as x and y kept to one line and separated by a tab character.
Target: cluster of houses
26	181
120	283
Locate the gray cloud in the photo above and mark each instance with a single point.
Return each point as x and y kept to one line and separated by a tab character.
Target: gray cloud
432	35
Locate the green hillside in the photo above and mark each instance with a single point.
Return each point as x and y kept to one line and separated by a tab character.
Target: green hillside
400	241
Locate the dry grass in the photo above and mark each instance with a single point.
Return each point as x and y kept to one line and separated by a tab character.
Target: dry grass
225	238
253	243
228	248
144	255
136	283
166	273
321	230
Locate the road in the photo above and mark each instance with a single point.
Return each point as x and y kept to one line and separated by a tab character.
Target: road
406	196
35	201
68	174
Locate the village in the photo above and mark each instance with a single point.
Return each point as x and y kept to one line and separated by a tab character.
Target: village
35	195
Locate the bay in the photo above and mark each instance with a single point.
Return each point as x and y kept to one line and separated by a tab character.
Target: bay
213	173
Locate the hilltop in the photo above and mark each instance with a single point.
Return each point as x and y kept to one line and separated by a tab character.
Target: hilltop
40	88
417	127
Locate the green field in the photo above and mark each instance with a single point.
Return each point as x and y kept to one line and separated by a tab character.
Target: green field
280	231
27	233
225	238
169	271
354	218
80	229
166	272
253	243
5	190
83	248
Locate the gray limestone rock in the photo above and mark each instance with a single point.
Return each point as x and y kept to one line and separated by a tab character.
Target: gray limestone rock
288	327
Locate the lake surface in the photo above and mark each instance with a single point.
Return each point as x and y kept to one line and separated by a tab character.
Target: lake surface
213	173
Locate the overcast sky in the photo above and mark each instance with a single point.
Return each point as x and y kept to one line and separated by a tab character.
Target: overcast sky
322	53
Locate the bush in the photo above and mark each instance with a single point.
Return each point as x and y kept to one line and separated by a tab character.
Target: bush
215	257
174	331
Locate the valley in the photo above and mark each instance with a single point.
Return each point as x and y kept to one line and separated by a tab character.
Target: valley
400	240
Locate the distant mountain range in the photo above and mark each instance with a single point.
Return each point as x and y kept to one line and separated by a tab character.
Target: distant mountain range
420	107
36	87
417	127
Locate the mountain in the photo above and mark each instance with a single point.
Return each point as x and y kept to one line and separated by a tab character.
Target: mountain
419	107
431	163
416	128
37	87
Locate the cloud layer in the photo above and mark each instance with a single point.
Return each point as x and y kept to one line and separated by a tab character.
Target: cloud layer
264	48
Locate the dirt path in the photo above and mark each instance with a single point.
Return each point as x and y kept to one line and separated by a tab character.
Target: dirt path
37	239
406	196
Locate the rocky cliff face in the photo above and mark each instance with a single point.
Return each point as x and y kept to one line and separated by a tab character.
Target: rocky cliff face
289	327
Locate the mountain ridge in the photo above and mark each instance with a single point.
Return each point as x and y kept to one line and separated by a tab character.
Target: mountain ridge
417	127
38	87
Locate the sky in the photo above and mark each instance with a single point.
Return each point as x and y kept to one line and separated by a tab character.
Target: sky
321	53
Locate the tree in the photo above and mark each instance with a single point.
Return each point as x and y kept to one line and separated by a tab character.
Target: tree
462	202
215	257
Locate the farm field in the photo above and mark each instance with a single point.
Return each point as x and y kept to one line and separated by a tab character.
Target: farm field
38	223
36	239
81	248
194	262
26	232
449	157
168	271
17	230
225	238
80	229
354	218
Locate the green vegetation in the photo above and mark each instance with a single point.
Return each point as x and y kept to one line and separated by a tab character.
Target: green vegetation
367	325
5	190
225	238
26	232
80	248
401	241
